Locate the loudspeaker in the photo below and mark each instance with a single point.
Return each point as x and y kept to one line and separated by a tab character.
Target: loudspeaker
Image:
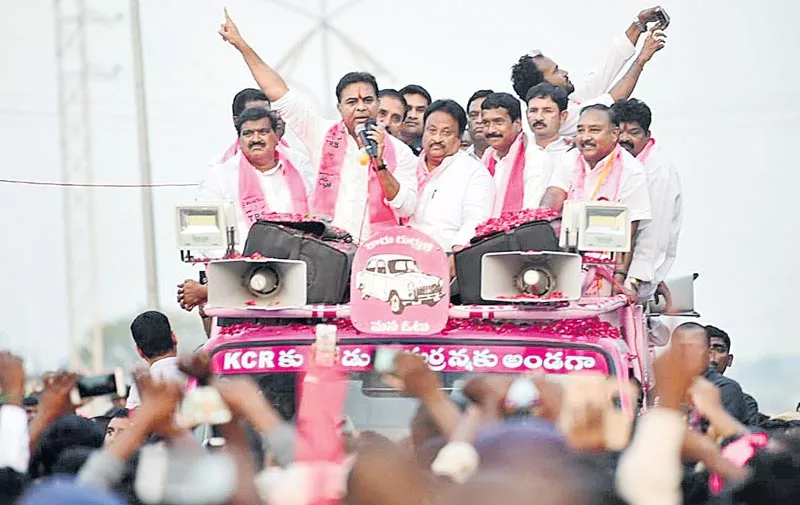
264	283
682	291
530	277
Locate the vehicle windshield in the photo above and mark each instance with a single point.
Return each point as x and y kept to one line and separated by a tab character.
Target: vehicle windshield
401	266
370	405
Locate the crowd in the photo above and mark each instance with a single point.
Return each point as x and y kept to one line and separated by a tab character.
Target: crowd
401	157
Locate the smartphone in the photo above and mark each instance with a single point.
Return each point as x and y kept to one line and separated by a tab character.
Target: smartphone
91	386
325	345
663	19
383	361
522	395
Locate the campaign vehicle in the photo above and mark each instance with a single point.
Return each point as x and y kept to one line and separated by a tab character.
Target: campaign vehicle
396	284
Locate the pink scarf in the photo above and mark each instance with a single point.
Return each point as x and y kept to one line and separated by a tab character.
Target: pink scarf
608	185
233	150
326	193
739	453
251	195
322	399
646	151
515	190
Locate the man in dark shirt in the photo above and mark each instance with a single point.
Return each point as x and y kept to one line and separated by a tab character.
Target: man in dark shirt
732	398
720	359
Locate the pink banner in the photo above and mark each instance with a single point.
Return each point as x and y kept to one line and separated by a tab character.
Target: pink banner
440	358
400	284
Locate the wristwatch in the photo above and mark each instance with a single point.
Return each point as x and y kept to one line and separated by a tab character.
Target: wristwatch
639	24
381	166
635	282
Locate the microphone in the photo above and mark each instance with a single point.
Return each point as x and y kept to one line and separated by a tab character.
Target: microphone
370	145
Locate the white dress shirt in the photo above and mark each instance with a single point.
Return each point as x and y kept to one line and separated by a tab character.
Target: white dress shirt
657	242
221	182
351	213
538	169
163	369
633	190
595	88
14	438
457	198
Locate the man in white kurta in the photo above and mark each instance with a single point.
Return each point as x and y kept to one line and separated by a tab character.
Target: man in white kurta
657	242
502	122
602	170
600	87
457	192
221	183
358	102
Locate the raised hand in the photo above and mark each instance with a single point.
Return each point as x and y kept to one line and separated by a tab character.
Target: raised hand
655	41
230	33
12	378
649	15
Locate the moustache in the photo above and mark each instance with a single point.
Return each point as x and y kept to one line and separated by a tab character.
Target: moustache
440	145
588	144
254	144
627	145
538	123
493	136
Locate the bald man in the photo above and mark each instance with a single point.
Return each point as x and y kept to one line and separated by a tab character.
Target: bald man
697	338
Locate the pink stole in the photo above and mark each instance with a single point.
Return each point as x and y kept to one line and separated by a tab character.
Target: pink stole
646	151
326	193
251	195
319	443
514	192
607	188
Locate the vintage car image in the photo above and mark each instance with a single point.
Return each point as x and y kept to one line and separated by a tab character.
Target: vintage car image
396	279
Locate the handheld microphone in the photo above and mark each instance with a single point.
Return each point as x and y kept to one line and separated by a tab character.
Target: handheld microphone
370	145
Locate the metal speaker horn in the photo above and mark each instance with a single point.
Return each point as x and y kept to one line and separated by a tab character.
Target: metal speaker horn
531	277
682	292
264	283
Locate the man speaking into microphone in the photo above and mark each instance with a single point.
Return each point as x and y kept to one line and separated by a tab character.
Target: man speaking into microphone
366	180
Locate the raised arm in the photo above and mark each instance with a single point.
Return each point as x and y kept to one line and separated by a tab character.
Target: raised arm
270	82
654	42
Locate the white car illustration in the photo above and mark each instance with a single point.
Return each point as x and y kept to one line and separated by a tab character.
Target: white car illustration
396	279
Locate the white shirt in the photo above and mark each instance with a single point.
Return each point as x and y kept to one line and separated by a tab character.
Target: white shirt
633	190
14	438
163	369
558	146
351	213
457	198
538	169
221	182
595	88
657	242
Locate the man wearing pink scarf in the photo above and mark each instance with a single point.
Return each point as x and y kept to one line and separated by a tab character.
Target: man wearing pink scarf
361	194
249	98
602	170
259	179
520	169
657	242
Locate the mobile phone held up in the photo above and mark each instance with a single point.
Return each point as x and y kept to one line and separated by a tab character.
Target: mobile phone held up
383	361
663	19
92	386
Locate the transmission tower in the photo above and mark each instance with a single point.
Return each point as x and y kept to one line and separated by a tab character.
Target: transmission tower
74	74
327	32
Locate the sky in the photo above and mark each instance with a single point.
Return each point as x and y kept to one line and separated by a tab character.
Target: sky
720	93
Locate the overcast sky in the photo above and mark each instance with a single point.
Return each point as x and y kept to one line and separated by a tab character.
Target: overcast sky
720	91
